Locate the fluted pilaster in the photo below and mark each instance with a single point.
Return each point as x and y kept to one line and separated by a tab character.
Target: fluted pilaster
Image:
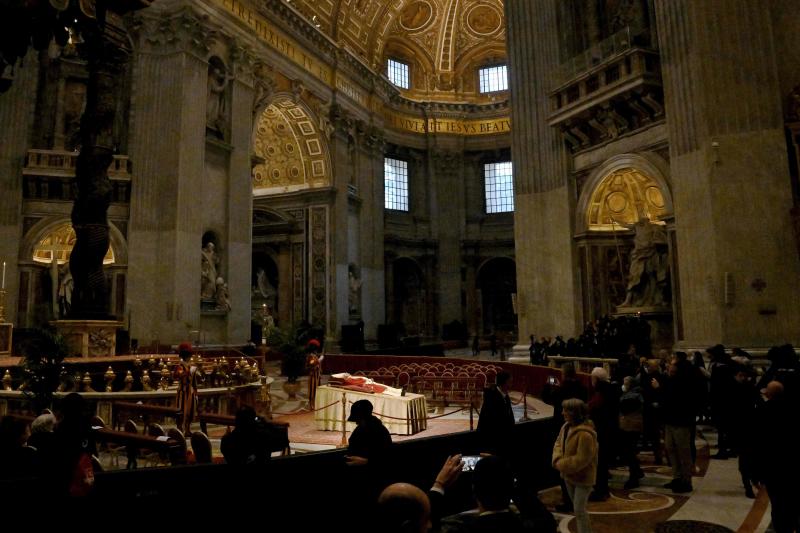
729	172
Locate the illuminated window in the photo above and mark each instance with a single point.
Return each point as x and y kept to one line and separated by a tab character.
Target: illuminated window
395	184
59	243
499	184
493	79
398	73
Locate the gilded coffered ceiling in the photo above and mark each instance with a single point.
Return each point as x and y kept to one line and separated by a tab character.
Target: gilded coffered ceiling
445	41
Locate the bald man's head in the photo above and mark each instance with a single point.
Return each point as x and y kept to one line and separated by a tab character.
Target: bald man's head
774	390
404	508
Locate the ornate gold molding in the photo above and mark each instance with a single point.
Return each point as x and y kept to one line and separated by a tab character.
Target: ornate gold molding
492	126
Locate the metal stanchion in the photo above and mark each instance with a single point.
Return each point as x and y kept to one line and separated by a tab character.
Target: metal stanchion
471	406
343	444
524	405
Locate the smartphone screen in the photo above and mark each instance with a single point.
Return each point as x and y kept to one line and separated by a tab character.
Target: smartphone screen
469	462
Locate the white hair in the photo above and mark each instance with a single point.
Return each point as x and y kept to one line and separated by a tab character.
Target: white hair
599	374
43	423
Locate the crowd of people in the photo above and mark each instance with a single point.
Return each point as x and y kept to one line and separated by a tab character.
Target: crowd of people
605	337
645	404
657	404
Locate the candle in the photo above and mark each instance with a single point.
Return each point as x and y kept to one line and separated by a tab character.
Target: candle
4	276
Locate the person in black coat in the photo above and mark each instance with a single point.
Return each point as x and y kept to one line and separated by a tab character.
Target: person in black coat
776	462
368	450
496	419
249	442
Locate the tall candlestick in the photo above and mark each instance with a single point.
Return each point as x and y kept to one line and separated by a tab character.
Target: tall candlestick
4	276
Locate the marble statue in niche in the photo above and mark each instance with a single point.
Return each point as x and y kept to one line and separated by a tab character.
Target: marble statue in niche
209	263
648	277
354	290
216	104
65	285
222	296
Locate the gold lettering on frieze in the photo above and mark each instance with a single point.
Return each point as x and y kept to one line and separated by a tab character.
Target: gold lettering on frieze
448	126
278	41
350	89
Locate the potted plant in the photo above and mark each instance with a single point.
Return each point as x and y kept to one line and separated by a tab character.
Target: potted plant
43	355
292	359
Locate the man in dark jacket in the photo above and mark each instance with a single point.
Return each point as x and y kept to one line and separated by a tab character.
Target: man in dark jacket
678	412
776	461
496	419
604	412
368	450
249	442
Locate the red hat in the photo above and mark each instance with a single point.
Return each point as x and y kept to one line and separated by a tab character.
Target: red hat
313	343
185	347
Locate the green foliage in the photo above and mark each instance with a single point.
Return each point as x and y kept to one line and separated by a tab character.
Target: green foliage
43	355
284	341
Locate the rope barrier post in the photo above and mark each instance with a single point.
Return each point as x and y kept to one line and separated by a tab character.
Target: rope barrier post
524	405
471	405
344	421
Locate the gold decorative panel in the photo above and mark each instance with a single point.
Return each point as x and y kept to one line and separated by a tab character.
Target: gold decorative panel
294	154
60	242
444	40
623	197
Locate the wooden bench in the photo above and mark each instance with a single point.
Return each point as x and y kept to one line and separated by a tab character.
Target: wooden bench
148	412
168	447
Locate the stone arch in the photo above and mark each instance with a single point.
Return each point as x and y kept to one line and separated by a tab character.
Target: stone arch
627	185
420	62
468	64
46	226
40	284
294	151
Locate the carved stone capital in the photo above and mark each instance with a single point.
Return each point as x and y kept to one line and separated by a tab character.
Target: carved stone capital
373	139
180	31
242	61
445	162
264	84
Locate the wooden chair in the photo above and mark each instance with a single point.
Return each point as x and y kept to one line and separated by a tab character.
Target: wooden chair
177	435
155	458
201	446
403	379
131	452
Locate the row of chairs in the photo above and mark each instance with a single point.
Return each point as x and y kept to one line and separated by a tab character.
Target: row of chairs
201	444
404	375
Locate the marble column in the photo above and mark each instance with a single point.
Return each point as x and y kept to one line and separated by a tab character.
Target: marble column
448	214
342	149
371	245
240	204
168	151
738	268
547	288
16	115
